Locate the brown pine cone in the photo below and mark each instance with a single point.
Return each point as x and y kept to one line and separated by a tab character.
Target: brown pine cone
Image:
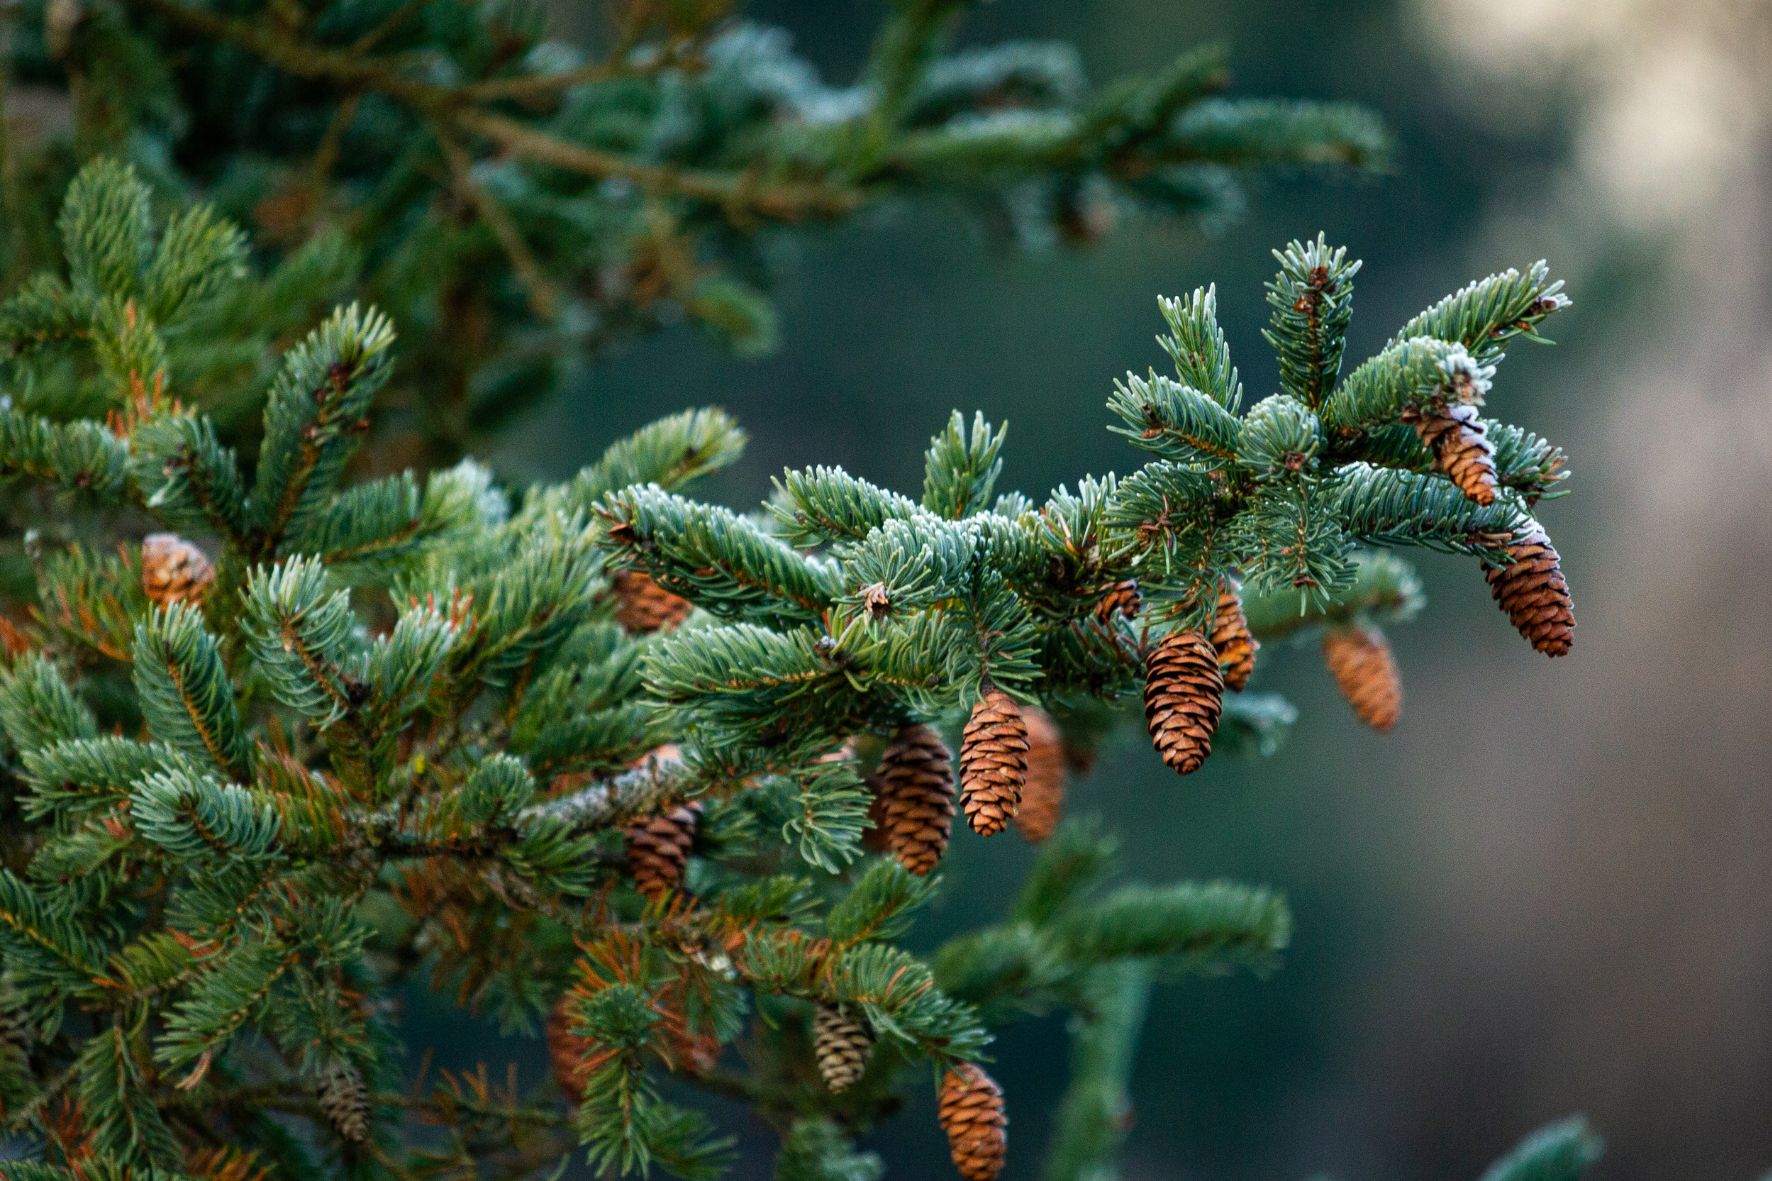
174	570
1232	639
658	849
1360	660
1042	797
344	1100
970	1108
993	763
644	606
915	794
567	1050
1534	593
1122	600
1183	692
841	1045
1460	443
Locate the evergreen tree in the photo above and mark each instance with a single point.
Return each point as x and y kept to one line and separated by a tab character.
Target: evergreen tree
284	728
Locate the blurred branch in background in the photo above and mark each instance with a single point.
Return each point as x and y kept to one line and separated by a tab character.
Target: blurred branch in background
519	204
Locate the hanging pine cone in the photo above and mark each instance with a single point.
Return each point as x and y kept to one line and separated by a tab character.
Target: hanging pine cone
1460	443
993	763
1534	593
1183	692
971	1111
641	605
1359	658
174	570
344	1100
568	1050
1123	600
1232	639
915	783
658	849
1042	797
841	1045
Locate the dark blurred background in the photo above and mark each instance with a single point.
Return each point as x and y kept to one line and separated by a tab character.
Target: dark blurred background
1551	889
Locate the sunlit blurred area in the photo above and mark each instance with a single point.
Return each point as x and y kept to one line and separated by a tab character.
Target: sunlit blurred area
1550	890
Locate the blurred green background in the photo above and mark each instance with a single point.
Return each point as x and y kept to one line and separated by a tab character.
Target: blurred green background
1551	889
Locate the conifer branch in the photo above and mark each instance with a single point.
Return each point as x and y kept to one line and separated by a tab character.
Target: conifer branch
420	722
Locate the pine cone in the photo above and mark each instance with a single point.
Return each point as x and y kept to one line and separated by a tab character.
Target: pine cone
1460	443
993	763
1232	639
842	1046
1042	797
344	1100
1534	593
174	570
658	849
915	794
644	606
1360	660
567	1050
1122	600
1183	690
971	1111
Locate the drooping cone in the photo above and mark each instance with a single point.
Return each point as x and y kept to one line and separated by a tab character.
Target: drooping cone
658	849
842	1045
567	1050
915	786
1360	660
1183	693
1232	639
1042	797
1123	600
993	763
174	570
1460	443
641	605
971	1111
344	1100
1534	593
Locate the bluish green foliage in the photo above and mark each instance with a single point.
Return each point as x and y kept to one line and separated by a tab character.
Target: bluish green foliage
411	728
518	203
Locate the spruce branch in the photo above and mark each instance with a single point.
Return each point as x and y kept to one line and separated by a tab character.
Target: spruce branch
186	696
417	723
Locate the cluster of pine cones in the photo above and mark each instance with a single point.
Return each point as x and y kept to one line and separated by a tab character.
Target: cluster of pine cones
1012	768
1012	765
